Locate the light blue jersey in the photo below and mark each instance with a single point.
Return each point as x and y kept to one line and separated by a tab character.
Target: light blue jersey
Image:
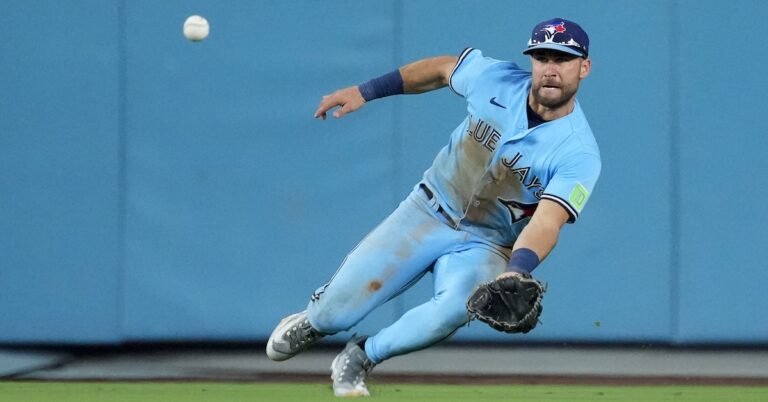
495	170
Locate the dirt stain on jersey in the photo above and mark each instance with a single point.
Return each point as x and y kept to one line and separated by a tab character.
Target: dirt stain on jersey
374	286
415	239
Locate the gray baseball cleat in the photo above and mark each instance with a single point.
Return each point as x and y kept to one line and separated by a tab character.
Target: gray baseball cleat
349	370
292	335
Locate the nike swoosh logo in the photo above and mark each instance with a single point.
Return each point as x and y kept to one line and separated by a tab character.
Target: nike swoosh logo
494	103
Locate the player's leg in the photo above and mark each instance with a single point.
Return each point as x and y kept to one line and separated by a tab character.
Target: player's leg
391	257
456	275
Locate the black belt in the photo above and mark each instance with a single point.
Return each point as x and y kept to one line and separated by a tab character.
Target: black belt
440	209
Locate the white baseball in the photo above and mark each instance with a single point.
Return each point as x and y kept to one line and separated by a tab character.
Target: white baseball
196	28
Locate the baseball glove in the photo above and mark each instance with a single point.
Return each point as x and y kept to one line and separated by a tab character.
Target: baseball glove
510	304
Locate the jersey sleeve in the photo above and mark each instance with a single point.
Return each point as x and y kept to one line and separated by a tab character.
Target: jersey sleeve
573	182
470	64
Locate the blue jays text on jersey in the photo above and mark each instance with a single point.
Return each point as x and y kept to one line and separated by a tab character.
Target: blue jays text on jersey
495	170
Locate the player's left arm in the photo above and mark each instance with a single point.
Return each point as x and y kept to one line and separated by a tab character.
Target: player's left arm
512	302
562	202
542	232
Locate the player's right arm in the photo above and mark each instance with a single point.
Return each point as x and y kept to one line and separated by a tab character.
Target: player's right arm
417	77
427	74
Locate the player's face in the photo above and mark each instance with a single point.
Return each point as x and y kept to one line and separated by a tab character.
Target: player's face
556	76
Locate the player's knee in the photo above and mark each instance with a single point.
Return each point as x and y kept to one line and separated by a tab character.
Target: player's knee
453	314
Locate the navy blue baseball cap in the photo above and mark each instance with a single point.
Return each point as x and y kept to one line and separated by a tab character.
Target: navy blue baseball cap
561	35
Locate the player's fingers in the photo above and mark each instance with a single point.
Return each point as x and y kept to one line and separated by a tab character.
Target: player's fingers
321	109
345	109
348	100
325	105
319	113
349	106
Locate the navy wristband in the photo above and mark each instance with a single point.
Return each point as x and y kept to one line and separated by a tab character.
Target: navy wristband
523	260
386	85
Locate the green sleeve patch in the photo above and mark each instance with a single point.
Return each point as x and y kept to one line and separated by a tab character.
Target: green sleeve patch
578	197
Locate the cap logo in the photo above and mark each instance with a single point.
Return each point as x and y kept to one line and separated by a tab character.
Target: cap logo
551	30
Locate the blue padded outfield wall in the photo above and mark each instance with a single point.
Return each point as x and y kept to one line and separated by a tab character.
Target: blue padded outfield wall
154	189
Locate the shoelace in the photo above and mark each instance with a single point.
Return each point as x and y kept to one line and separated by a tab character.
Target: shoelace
346	375
301	334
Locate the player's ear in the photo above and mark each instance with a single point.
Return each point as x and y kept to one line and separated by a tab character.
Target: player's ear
586	67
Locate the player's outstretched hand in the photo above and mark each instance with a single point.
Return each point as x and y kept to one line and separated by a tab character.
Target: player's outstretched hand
348	99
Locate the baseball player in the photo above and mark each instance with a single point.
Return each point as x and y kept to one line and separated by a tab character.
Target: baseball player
519	166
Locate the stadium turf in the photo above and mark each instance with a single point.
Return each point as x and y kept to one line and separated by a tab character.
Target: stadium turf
286	392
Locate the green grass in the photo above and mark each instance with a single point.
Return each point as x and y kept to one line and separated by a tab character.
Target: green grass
284	392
